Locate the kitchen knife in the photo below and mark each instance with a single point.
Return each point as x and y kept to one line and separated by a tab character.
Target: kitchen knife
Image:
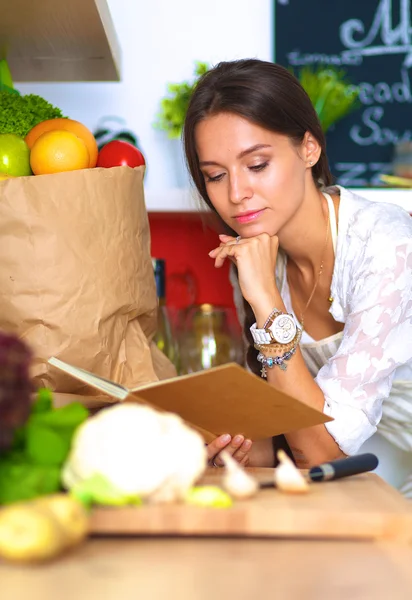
344	467
336	469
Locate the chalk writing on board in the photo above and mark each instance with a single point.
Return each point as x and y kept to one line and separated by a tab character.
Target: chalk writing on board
384	33
396	39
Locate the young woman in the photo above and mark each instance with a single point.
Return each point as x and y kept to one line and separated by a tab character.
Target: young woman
323	278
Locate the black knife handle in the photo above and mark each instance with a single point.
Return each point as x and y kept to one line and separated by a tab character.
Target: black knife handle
344	467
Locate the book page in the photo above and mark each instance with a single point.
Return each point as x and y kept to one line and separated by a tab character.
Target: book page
104	385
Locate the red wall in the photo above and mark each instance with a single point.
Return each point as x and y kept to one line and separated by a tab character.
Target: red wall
184	240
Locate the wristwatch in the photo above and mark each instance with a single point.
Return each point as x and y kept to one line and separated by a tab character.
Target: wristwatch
280	327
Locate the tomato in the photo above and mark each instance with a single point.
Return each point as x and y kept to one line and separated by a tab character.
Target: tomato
118	153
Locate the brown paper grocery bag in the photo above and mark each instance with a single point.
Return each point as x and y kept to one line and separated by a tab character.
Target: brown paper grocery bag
76	278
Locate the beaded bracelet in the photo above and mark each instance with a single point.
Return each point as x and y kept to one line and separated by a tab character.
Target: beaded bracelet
276	348
269	362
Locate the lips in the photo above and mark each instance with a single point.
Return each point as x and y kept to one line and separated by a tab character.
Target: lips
249	216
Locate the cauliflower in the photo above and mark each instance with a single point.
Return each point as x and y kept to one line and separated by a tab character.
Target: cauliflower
139	451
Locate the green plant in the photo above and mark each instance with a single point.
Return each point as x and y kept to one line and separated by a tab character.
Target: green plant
40	446
173	107
331	93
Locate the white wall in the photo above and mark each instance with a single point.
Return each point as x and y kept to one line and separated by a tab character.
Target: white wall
160	41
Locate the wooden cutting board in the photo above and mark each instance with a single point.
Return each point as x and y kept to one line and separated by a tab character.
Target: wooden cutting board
359	507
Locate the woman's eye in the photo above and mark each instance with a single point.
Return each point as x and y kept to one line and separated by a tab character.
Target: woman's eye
210	179
260	167
219	177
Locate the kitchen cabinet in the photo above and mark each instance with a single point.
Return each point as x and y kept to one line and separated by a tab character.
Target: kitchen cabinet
186	200
58	41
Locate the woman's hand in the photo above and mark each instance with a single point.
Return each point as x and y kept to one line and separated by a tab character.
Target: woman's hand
238	447
255	259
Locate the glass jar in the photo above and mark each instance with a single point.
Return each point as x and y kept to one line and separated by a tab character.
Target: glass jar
208	336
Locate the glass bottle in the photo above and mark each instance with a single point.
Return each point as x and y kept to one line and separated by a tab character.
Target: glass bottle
164	337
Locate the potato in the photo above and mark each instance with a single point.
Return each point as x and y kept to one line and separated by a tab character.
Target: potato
70	514
29	534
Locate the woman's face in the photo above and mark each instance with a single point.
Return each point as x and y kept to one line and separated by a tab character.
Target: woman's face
255	179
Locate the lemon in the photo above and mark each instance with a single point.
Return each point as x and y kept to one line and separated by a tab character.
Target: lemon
57	151
208	496
75	127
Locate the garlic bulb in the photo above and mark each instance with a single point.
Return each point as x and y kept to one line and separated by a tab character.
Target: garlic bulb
287	477
236	481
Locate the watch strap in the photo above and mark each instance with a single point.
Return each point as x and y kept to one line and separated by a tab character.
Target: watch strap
260	336
266	335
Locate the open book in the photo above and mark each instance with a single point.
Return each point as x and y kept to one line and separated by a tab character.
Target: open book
225	399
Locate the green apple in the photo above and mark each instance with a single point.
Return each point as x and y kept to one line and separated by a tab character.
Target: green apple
14	155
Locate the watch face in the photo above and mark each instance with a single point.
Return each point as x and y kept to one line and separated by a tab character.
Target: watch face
283	329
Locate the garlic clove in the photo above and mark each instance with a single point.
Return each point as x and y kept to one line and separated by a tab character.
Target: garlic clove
236	481
287	477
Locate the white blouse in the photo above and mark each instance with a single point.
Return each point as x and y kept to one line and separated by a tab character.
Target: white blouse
372	291
372	296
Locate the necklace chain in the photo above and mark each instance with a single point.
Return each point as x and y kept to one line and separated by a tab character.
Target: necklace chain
302	314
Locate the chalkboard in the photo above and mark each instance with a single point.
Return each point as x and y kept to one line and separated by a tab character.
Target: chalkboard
371	40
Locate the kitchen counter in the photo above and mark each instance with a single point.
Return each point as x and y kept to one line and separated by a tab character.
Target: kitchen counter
210	569
233	568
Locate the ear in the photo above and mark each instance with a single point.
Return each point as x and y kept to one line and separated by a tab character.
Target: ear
311	149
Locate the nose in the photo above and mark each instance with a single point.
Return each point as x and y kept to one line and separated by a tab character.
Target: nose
239	188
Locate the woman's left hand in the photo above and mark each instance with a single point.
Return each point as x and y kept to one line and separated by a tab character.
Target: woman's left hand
238	447
255	259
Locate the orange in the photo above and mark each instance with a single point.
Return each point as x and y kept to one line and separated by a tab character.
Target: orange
57	151
68	125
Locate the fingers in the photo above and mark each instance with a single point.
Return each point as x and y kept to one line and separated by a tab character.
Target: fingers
274	244
227	238
239	448
228	248
245	460
230	240
220	254
242	455
262	245
217	445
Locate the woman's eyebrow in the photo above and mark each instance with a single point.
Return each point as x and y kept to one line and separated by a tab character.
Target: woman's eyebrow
253	149
210	163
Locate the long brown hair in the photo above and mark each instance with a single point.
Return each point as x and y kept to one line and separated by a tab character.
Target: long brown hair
269	96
